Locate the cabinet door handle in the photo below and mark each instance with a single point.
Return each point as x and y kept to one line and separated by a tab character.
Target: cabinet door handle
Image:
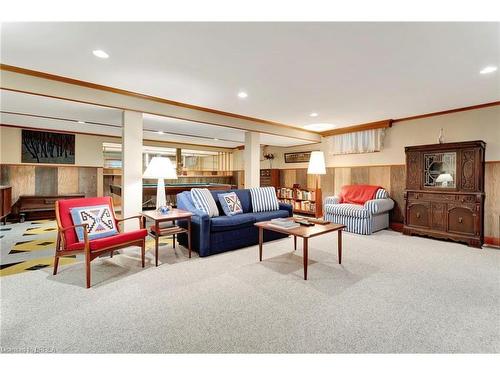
460	220
418	215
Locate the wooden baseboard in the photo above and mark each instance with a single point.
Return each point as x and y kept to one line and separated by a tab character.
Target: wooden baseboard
398	227
493	241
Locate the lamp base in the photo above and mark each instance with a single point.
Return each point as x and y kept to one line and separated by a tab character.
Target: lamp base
161	199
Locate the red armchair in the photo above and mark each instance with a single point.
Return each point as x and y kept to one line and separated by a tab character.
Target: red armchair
67	239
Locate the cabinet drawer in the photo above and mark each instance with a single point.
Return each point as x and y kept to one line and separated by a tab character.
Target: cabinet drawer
418	213
466	198
433	197
462	219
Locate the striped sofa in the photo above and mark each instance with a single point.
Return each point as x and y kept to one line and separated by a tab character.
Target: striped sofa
362	219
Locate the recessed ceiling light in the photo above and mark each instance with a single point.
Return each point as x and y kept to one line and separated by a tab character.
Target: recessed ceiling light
242	95
160	132
100	53
81	122
216	139
488	69
313	114
319	127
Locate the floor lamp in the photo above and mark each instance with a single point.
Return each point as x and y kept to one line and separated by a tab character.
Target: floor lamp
317	167
160	168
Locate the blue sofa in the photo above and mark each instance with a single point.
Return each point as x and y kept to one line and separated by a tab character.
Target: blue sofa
223	233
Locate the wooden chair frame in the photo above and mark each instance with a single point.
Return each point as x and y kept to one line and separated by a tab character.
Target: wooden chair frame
92	254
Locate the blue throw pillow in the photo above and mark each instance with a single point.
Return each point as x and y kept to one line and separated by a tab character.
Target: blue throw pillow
100	220
230	203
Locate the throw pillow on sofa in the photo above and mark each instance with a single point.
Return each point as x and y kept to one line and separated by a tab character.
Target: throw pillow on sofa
264	199
204	201
100	220
230	203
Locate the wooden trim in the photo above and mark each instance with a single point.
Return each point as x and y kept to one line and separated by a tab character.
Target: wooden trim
469	108
71	81
492	241
395	226
380	124
226	149
50	165
358	128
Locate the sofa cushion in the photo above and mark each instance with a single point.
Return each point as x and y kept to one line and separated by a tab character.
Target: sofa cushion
204	201
115	240
243	196
264	199
224	223
348	209
99	219
230	203
269	215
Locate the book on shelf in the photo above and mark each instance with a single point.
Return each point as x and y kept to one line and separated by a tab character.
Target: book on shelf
285	193
304	206
306	195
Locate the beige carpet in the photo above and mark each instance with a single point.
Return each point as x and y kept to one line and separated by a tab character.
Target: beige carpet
391	294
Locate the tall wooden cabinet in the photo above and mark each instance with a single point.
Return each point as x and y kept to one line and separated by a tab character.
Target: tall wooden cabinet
5	202
444	194
270	177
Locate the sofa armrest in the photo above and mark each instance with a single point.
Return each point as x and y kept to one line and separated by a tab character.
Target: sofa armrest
287	207
332	200
378	206
200	223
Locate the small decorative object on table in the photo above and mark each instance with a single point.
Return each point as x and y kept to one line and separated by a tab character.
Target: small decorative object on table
164	209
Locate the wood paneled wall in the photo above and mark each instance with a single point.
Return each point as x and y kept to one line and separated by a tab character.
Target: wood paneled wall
393	179
48	180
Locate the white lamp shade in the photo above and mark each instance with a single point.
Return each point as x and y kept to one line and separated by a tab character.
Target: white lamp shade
444	177
160	167
317	163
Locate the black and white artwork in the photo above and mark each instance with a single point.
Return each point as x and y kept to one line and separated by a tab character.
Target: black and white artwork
46	147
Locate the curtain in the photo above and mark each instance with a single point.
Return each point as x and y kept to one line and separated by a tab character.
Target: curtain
356	143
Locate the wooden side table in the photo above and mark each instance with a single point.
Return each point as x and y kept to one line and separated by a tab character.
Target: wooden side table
172	215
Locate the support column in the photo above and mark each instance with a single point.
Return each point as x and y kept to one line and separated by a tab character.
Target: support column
132	167
252	159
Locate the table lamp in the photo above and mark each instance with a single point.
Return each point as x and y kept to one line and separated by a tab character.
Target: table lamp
316	165
160	168
444	179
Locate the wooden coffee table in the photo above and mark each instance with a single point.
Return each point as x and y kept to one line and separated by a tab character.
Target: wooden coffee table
305	233
172	215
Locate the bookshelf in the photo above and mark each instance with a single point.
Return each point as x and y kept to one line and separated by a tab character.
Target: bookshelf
304	201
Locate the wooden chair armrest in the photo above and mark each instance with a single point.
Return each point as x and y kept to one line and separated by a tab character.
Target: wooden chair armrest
61	230
141	218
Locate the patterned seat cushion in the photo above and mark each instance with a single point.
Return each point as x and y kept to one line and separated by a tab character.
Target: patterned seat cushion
99	219
348	209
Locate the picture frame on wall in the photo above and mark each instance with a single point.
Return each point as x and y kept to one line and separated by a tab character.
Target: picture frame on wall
297	157
47	147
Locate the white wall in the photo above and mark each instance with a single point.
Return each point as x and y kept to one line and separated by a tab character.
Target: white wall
480	124
88	148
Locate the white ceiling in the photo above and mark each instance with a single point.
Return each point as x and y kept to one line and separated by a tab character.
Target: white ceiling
349	73
63	115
